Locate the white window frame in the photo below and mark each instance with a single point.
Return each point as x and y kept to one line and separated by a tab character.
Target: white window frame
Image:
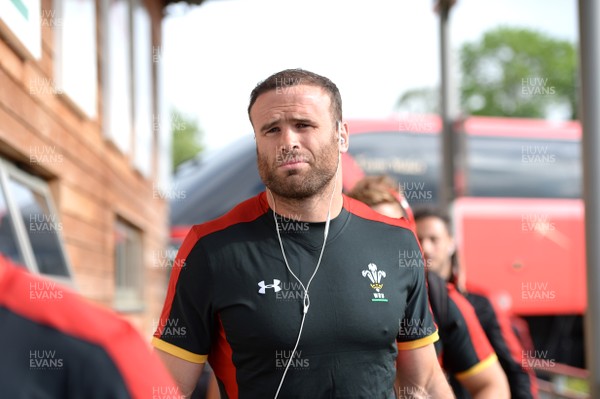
162	127
128	84
9	171
27	30
75	64
117	85
143	99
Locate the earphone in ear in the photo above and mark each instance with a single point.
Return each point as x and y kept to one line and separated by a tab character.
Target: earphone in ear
339	129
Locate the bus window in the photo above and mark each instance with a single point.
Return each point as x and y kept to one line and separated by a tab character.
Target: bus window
411	159
523	168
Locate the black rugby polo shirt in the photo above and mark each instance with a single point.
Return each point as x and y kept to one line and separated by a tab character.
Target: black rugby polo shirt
463	346
232	301
496	325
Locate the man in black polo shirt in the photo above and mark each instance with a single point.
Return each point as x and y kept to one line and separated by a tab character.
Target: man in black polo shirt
435	234
463	349
58	345
297	292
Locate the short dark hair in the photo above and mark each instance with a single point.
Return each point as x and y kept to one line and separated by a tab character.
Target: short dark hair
296	77
426	212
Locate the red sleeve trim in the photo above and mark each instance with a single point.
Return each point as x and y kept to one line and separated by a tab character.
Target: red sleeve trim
483	348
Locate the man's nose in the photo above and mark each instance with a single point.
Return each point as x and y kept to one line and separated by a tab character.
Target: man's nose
289	139
426	246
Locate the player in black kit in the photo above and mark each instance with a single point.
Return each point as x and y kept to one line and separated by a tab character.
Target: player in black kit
297	292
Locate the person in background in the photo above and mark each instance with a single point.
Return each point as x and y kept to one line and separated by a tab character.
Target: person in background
253	296
434	232
57	345
463	349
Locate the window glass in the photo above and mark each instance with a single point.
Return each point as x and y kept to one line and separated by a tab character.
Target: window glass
209	190
513	167
42	227
128	267
8	240
412	159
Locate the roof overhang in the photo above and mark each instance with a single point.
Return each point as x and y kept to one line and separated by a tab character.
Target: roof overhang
191	2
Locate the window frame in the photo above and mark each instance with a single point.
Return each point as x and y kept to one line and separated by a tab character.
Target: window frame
117	120
82	94
9	171
120	302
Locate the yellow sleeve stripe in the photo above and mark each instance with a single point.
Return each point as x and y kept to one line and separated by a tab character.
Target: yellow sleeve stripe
178	352
430	339
491	359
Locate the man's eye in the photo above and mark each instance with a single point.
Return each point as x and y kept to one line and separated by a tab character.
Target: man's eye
272	130
302	125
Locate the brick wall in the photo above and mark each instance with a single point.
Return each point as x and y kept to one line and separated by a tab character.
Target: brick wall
94	182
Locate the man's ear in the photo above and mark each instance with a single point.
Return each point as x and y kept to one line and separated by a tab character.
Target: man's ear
343	136
452	247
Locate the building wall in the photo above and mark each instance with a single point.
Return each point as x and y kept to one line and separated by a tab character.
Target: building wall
91	181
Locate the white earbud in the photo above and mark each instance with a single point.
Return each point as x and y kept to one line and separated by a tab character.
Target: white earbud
339	129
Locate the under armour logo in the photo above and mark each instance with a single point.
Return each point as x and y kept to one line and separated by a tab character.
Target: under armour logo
263	286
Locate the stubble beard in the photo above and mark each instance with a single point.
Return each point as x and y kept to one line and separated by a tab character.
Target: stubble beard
306	184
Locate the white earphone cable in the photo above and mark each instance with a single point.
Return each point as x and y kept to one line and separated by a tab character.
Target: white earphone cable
306	297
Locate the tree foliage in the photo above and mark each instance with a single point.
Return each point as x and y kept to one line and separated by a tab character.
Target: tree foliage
186	138
513	72
424	100
518	72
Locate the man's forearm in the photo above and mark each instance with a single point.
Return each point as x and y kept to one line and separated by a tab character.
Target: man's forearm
419	375
438	387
